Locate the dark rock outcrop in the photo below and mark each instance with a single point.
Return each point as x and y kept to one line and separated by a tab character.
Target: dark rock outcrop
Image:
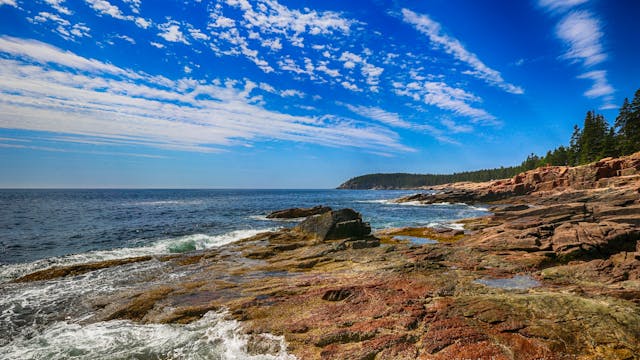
298	212
334	225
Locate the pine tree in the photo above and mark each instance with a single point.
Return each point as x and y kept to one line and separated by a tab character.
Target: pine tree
609	145
560	156
621	126
632	131
574	146
592	141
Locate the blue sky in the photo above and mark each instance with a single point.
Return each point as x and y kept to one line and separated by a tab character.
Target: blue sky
298	94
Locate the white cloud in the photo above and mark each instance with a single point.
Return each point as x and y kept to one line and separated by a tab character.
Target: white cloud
8	2
394	120
271	17
32	50
134	4
582	34
101	102
452	46
331	72
601	86
106	8
57	5
63	27
454	127
126	38
171	32
222	22
349	86
142	23
157	45
288	64
241	27
292	92
560	5
385	117
370	72
197	34
273	44
443	96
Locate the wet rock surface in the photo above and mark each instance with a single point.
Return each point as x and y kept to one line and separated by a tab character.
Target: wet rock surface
294	213
552	274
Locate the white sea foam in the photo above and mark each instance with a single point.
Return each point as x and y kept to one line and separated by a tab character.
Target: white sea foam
411	203
446	225
478	208
164	246
211	337
26	308
378	201
265	218
165	203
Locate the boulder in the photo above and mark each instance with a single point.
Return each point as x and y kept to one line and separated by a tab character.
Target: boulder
293	213
333	225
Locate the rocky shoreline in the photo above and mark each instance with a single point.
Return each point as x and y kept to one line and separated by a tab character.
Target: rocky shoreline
554	273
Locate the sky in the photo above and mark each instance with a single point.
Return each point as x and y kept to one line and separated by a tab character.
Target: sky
295	93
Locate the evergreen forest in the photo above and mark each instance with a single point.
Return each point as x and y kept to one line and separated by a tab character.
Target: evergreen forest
595	140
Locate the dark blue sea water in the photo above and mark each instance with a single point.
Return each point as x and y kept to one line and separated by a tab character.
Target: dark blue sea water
39	224
54	319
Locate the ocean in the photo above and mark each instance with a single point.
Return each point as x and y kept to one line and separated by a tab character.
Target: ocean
44	228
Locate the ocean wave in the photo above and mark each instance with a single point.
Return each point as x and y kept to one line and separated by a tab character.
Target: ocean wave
165	202
211	337
446	225
163	246
265	218
378	201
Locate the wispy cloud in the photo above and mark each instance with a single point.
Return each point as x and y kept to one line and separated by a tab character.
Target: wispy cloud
560	5
57	5
452	46
66	150
385	117
8	2
601	86
61	26
454	127
47	89
443	96
394	120
582	33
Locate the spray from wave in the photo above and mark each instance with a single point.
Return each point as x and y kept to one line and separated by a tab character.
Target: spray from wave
211	337
164	246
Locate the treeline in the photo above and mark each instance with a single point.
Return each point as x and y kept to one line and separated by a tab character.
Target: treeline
594	141
408	181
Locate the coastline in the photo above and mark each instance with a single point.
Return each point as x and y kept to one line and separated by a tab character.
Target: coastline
554	272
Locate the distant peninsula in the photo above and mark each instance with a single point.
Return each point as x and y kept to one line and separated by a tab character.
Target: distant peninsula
596	140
